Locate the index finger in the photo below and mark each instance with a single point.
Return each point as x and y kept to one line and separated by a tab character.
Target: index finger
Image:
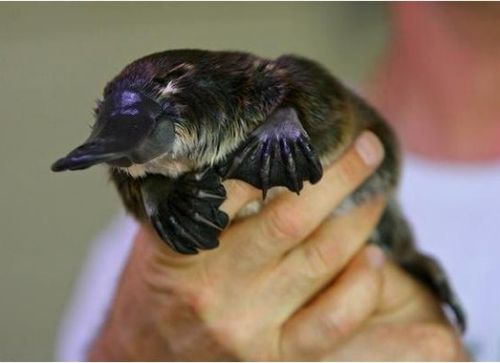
288	219
239	194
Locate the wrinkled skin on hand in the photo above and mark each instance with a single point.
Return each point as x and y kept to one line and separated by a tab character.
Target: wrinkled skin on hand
289	283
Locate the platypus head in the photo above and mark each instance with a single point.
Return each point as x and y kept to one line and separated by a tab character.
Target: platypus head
176	111
131	128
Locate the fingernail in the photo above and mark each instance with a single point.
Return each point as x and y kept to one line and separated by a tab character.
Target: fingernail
369	148
375	256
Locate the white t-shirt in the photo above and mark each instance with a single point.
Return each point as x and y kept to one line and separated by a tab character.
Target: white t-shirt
455	212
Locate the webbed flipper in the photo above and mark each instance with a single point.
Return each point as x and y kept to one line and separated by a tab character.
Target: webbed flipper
278	153
185	212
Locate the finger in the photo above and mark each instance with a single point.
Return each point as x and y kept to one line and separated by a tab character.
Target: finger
239	194
401	342
314	263
405	299
289	218
339	311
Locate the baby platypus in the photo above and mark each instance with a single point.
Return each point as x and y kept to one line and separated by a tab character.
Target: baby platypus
173	125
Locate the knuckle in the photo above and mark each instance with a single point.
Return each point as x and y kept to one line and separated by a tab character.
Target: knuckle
283	224
230	332
334	326
317	261
369	280
200	301
202	295
204	307
227	331
438	342
351	171
373	283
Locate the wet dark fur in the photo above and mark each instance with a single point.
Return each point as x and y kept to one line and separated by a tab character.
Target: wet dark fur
224	96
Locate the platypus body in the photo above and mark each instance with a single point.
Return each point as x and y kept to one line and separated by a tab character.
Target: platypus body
173	125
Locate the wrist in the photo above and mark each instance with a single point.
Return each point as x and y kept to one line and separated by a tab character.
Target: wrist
151	318
129	332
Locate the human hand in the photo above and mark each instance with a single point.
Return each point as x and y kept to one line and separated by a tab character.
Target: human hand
289	283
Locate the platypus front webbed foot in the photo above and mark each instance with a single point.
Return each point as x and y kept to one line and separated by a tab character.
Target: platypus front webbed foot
187	216
278	153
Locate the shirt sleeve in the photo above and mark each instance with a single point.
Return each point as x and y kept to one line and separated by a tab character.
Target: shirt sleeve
95	289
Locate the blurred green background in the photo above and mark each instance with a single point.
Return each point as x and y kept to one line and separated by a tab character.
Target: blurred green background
55	59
